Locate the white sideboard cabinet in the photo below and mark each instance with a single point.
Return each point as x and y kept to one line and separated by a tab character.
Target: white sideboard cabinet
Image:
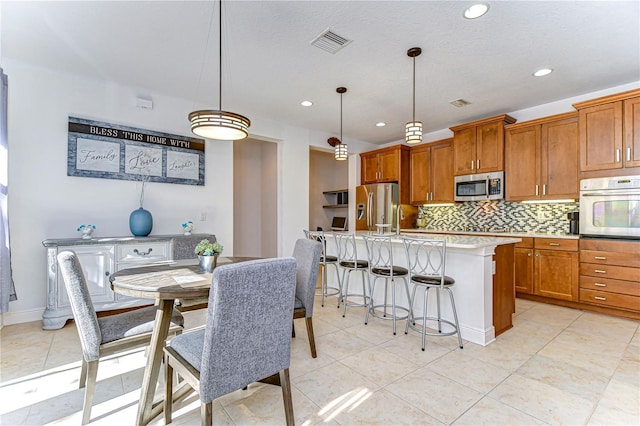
99	258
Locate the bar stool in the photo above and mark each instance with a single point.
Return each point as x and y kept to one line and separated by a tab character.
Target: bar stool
381	265
426	259
326	260
349	262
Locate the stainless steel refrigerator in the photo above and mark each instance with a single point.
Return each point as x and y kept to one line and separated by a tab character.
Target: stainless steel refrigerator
376	204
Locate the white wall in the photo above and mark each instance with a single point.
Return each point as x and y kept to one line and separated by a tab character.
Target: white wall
255	198
45	203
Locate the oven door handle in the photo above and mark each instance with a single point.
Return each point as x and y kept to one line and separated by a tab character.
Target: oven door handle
605	193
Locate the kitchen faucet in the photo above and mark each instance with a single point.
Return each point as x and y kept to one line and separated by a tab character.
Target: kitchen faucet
399	216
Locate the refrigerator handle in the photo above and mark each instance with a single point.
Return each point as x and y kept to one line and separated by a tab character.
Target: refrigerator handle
369	210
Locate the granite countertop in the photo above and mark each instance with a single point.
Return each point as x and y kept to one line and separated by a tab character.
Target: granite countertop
515	234
453	241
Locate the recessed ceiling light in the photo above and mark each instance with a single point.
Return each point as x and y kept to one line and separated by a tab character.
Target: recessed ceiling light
381	124
306	103
476	11
542	72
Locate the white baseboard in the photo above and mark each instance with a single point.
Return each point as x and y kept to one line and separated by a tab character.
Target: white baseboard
9	318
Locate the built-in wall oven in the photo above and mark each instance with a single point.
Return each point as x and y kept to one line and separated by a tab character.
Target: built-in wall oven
610	207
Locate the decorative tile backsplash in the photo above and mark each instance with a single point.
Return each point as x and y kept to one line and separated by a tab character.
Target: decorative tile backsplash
499	215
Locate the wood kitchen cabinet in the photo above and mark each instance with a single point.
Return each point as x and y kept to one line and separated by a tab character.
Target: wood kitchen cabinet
541	159
610	273
609	129
478	147
547	267
432	173
387	165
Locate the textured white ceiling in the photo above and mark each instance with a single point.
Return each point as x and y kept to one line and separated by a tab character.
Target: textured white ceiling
269	67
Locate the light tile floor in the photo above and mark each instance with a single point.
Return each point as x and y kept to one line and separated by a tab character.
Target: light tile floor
556	366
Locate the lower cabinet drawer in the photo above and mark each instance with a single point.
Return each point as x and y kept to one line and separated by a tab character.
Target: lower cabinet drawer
629	259
612	286
613	300
608	271
556	244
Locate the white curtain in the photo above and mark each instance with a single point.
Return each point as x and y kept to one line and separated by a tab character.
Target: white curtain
7	289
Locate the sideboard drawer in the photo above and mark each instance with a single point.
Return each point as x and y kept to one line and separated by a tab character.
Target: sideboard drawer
630	258
142	252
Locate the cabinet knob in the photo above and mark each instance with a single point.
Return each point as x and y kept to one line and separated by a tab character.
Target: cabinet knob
599	271
554	244
599	298
600	257
529	254
537	255
617	155
599	285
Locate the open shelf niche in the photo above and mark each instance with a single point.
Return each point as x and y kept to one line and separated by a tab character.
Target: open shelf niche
336	199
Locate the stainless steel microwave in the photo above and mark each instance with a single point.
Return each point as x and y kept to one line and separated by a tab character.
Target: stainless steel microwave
479	187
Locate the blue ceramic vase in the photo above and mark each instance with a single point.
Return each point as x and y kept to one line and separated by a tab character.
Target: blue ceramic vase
140	222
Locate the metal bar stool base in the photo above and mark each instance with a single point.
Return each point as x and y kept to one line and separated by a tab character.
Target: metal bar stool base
389	315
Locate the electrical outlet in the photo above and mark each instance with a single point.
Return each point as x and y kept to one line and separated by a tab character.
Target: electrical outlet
203	217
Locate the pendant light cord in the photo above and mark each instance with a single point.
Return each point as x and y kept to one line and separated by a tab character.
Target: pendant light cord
220	59
414	89
340	117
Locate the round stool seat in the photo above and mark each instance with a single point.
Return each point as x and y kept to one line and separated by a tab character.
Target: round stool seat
357	264
327	259
430	280
397	271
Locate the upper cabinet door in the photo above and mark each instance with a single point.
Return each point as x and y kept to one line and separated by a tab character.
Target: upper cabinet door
490	148
420	182
369	165
559	159
464	147
388	165
601	137
522	168
442	173
632	132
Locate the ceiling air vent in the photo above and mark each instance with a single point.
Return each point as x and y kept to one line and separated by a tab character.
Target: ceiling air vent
459	103
330	41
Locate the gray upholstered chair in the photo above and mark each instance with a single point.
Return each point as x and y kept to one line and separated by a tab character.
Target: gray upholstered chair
105	335
247	336
307	254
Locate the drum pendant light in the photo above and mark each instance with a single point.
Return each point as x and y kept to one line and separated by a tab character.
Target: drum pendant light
414	128
341	153
219	124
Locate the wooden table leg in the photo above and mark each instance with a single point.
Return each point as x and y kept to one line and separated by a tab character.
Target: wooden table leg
154	360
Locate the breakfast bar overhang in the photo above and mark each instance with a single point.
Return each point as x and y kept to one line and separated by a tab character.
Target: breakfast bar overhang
483	268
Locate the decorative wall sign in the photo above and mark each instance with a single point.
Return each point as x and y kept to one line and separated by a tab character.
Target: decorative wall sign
111	151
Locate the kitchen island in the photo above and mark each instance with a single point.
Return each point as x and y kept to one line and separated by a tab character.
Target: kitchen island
483	267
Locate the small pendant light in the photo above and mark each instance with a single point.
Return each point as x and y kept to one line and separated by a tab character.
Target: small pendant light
414	128
219	124
341	153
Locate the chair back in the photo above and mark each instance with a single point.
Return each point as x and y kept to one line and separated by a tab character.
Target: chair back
307	254
81	305
426	258
379	253
347	251
248	328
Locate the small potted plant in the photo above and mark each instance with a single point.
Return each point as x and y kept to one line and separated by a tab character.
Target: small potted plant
208	253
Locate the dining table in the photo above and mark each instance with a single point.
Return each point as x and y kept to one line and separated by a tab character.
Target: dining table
166	282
